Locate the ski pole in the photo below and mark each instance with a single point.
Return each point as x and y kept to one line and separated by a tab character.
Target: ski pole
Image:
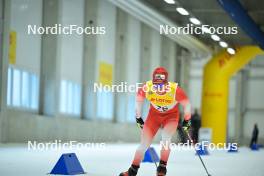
190	139
152	158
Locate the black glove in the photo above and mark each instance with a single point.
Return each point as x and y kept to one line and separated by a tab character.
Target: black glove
140	122
186	124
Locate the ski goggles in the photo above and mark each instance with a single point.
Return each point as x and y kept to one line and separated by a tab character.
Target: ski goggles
159	77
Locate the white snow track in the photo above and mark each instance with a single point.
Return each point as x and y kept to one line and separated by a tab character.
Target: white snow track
16	160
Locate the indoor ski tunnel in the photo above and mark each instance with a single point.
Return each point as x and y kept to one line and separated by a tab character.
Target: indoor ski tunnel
132	87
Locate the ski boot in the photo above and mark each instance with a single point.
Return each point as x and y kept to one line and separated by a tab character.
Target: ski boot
162	170
132	171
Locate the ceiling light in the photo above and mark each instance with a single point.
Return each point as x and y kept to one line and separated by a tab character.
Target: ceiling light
182	11
231	51
195	21
170	1
223	44
215	37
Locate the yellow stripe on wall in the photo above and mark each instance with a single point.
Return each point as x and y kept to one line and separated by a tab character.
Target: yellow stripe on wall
105	73
12	47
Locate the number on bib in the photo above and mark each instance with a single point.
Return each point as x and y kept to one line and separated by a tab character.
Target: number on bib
162	108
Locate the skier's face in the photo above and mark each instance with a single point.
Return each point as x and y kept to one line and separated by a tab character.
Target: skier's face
159	79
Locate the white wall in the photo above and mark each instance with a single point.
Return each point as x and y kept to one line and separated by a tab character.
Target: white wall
168	57
134	48
105	51
28	48
106	43
22	127
195	84
70	47
255	103
172	56
70	56
133	62
155	55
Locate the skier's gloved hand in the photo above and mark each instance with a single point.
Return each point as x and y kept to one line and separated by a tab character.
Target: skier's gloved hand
186	124
140	122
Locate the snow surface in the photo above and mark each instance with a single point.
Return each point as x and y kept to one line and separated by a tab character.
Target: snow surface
16	159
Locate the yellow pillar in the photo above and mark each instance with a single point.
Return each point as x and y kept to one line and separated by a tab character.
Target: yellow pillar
217	74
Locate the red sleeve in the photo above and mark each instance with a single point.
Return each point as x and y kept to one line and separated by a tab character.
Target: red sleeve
141	94
182	98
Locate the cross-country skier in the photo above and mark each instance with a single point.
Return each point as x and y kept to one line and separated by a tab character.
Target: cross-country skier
164	98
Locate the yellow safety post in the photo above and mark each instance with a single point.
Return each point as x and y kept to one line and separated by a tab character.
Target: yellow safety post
217	74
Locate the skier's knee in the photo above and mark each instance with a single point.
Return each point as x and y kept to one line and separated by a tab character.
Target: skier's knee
143	147
166	139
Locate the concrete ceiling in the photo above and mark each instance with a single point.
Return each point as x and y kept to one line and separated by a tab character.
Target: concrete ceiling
211	13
